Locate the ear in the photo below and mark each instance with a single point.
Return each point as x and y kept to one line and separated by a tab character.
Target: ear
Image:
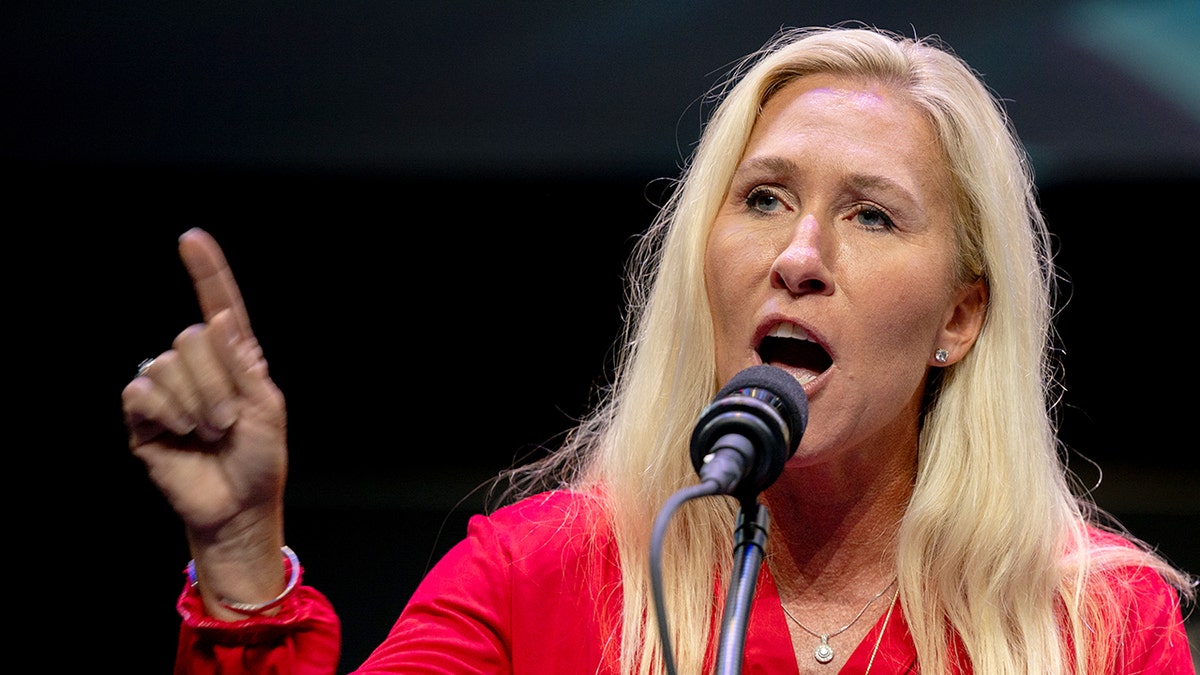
964	321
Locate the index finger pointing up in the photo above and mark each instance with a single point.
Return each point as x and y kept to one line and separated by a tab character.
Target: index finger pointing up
215	287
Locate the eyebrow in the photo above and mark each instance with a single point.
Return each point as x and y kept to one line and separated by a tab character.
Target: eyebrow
877	182
775	164
770	164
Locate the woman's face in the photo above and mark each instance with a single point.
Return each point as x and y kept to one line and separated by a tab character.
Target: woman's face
833	257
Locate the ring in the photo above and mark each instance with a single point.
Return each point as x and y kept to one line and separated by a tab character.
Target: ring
144	366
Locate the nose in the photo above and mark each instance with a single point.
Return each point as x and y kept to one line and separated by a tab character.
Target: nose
802	267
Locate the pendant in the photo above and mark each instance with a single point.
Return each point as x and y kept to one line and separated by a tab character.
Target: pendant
823	653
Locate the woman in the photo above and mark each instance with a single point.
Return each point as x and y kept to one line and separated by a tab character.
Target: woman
858	213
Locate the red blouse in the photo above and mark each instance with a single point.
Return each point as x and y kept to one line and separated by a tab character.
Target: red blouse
532	590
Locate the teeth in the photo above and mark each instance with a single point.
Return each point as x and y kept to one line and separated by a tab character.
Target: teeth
788	330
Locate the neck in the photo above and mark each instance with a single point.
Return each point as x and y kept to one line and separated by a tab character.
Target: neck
824	539
832	548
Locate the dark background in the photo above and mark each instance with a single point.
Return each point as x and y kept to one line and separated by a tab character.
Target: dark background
428	206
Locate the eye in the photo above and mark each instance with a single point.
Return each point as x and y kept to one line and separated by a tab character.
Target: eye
763	200
872	218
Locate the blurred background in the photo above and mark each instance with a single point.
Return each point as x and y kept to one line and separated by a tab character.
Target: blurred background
428	206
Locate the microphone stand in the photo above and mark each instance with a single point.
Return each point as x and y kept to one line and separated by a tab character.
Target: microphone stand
748	549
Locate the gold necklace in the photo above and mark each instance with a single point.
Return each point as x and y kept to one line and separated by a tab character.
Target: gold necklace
882	630
824	653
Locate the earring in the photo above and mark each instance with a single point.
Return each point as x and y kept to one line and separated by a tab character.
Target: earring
941	355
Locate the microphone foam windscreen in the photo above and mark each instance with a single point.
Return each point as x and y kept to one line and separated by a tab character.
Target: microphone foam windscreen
777	381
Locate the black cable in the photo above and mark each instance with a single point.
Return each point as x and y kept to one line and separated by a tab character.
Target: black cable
705	489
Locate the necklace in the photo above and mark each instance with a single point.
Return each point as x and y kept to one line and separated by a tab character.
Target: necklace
824	653
883	629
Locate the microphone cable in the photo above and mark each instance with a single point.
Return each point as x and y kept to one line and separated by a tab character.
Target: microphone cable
705	489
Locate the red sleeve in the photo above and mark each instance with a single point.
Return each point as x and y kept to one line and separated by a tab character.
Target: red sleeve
304	638
550	551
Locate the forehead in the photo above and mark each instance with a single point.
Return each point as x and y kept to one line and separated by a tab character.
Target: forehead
851	124
833	104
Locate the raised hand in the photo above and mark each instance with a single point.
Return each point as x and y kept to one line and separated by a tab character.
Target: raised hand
211	427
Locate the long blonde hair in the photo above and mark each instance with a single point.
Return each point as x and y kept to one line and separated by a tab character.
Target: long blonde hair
1007	572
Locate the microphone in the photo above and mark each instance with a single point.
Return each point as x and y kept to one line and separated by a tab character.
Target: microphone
750	430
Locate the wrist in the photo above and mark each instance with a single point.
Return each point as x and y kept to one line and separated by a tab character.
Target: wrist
238	582
291	569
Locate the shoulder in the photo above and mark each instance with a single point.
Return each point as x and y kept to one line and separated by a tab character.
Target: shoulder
510	596
546	527
1100	538
1117	556
545	541
1128	580
554	509
548	513
1122	563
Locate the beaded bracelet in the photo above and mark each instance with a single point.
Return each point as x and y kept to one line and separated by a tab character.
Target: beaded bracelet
293	562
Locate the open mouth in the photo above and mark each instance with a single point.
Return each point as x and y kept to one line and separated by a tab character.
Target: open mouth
789	346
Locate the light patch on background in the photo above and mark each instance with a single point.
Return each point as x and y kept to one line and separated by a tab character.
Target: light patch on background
1152	41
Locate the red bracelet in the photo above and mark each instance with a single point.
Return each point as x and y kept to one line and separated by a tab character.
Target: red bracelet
293	564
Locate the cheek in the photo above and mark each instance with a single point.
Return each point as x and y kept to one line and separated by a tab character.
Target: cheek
910	311
736	258
731	272
732	263
720	285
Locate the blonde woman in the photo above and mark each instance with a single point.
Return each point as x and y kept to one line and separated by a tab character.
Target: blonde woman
859	214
